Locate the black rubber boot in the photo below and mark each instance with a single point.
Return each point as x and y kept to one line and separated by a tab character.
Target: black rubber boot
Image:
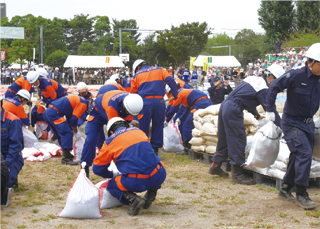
215	169
14	184
303	199
187	147
67	158
135	202
238	176
156	150
53	139
149	197
285	194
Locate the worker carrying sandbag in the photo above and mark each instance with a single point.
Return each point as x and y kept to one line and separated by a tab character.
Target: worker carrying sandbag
303	97
265	146
250	93
141	169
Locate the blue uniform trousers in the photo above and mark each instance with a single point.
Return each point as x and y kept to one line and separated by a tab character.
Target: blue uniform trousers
188	124
300	143
153	110
95	137
232	135
62	130
15	168
122	183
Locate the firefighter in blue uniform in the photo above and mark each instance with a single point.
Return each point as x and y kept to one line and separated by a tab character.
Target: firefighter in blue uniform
135	159
217	91
11	145
250	93
303	94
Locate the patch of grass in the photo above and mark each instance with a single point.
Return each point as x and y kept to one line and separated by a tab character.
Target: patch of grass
241	215
196	201
22	226
51	216
183	208
34	220
242	192
282	214
208	206
148	212
188	223
111	221
297	221
168	198
204	190
187	191
21	188
315	223
194	183
35	210
175	187
202	216
220	211
218	224
39	203
313	213
168	213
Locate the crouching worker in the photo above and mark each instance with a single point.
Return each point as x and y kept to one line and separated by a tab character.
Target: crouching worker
71	106
141	169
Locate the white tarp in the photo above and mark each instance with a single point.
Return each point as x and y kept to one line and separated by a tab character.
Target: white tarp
218	61
93	62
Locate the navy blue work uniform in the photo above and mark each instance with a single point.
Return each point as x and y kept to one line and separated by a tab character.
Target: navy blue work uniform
232	140
217	94
303	95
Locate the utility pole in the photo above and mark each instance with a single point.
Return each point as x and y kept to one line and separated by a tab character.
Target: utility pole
120	35
41	44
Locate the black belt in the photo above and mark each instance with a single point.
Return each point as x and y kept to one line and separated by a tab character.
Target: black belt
236	102
301	119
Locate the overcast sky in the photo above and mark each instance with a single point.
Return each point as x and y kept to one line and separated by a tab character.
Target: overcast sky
228	16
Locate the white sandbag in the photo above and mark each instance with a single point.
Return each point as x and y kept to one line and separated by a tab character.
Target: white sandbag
197	141
198	148
263	122
252	128
172	141
215	120
196	116
54	149
248	118
42	155
284	152
208	129
213	139
276	173
77	149
213	109
83	200
202	112
211	149
108	201
315	174
40	130
263	171
196	132
265	146
248	146
209	143
27	152
279	165
316	146
197	124
315	166
28	138
208	118
260	109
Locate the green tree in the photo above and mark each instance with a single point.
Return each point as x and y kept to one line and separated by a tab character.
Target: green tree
302	39
277	18
219	40
18	52
184	41
129	24
57	59
80	31
103	43
248	43
86	49
308	15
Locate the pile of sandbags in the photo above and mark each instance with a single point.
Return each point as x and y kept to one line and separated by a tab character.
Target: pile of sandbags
205	133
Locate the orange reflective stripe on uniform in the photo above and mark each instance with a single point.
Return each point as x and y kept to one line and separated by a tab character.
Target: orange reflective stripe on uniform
203	97
90	118
153	97
147	176
59	121
12	91
54	108
120	186
140	116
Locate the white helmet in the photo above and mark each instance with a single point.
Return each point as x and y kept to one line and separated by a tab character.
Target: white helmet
32	76
81	86
56	68
136	64
276	70
24	94
109	81
314	52
133	103
42	72
115	77
113	121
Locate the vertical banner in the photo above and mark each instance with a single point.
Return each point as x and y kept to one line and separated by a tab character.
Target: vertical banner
34	53
3	55
192	60
205	64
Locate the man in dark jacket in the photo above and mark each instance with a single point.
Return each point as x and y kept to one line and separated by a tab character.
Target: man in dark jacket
217	91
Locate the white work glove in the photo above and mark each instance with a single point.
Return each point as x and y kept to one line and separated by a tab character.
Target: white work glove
178	122
165	123
270	116
78	135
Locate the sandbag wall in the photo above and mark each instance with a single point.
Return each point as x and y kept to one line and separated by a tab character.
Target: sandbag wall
205	133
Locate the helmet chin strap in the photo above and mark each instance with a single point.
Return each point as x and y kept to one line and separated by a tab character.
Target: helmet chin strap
312	66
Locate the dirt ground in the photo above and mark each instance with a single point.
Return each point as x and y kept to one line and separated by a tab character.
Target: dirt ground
189	198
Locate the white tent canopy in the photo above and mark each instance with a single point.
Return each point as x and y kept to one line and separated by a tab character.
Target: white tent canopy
218	61
93	62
